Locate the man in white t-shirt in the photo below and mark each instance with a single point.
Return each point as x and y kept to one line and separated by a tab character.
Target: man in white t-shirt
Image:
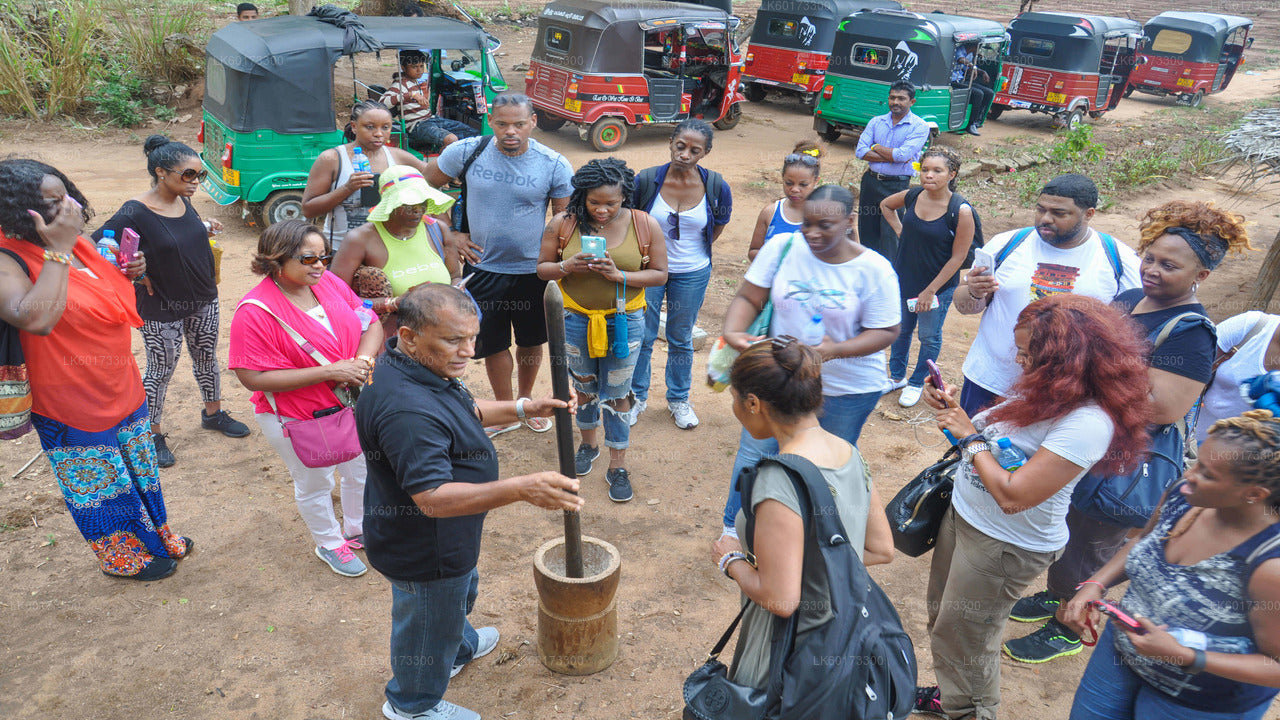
1061	253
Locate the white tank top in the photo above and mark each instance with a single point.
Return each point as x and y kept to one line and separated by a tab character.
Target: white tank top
349	213
686	244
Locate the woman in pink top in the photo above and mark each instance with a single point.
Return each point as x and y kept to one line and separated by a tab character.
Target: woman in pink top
300	292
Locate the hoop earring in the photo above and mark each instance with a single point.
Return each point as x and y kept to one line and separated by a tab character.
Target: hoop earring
1194	287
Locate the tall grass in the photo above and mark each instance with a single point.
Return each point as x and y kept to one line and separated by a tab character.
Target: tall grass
18	72
71	46
143	29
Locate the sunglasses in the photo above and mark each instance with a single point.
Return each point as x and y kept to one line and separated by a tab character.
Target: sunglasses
673	232
801	158
190	175
310	259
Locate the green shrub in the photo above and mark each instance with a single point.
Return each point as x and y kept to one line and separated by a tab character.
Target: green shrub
118	95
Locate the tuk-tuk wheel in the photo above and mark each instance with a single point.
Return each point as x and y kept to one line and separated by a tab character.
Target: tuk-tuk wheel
730	119
1196	98
1069	120
281	205
1128	90
608	134
754	92
995	112
831	134
550	123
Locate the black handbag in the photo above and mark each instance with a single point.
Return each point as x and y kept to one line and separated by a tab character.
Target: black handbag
915	513
708	694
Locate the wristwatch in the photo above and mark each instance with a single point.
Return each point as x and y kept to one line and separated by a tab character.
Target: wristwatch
973	448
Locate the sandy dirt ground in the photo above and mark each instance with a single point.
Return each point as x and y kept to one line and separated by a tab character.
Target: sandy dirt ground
254	626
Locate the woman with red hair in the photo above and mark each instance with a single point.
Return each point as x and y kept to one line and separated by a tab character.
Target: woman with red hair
1082	402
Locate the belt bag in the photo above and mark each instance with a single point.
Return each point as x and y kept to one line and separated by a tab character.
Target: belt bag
323	441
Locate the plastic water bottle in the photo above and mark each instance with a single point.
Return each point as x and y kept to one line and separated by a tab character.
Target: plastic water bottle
813	332
1010	457
360	162
107	246
367	315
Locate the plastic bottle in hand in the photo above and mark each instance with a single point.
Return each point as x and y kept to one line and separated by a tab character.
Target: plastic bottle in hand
1010	457
813	331
359	162
108	247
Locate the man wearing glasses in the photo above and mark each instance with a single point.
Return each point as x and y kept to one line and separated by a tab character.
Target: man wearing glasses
890	144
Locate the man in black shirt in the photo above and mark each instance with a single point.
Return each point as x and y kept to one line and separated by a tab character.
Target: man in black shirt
433	474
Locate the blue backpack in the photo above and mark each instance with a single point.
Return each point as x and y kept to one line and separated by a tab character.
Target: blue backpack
1108	245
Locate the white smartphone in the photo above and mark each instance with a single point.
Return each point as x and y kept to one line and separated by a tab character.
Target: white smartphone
982	259
593	245
911	304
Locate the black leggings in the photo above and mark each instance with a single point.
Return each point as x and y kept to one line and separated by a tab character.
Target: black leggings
163	341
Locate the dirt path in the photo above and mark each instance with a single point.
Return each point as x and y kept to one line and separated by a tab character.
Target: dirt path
253	626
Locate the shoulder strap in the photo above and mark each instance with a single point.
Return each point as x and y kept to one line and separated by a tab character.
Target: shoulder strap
724	639
1171	324
1010	246
956	202
1265	547
713	186
437	237
303	343
646	181
640	221
568	224
480	146
1253	332
21	263
1113	254
913	194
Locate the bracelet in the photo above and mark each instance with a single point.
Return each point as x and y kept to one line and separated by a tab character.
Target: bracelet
566	272
975	297
1093	582
1198	664
964	442
728	558
520	407
368	360
58	257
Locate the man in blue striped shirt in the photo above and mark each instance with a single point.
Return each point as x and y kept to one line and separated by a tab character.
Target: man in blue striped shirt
889	144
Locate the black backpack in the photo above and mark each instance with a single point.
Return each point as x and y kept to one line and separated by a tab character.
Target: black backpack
647	185
861	663
953	220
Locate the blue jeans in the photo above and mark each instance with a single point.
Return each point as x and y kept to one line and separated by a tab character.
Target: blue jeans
684	293
975	398
842	415
587	372
429	635
1109	690
929	328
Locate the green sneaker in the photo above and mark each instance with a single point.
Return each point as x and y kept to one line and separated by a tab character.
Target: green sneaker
1053	640
1037	608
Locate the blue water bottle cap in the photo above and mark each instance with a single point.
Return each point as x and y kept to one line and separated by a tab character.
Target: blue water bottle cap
368	304
1004	443
108	234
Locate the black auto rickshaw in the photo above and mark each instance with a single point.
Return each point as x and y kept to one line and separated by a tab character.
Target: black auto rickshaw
269	101
607	66
791	45
1190	55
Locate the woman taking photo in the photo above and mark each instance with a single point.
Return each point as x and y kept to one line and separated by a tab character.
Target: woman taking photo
692	204
602	347
1080	403
334	187
928	263
777	394
178	299
73	310
401	246
820	272
1181	243
1207	567
290	384
800	170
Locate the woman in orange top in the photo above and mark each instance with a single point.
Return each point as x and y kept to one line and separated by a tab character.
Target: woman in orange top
74	309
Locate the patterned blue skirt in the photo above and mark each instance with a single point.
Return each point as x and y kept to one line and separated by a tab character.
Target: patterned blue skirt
112	488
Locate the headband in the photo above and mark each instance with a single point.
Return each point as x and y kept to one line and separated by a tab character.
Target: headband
1210	249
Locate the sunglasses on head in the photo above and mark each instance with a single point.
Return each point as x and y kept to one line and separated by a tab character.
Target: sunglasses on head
190	175
310	259
801	158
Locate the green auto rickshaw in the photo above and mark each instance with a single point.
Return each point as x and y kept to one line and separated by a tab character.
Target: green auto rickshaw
877	48
270	95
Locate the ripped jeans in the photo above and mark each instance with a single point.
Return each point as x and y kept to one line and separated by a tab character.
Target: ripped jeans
587	371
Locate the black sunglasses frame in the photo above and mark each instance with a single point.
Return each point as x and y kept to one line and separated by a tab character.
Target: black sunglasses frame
326	259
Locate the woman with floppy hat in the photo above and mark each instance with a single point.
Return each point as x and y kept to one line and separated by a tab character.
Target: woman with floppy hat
401	246
298	297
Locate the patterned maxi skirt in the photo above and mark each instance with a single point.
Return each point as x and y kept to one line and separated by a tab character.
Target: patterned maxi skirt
111	485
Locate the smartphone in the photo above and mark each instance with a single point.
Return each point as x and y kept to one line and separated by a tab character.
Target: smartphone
936	376
327	411
593	245
128	247
911	304
1121	617
982	259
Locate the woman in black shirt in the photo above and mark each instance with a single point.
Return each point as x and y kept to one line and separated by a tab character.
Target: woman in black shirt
178	298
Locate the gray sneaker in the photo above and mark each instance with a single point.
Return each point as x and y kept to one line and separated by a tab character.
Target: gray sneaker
584	459
637	407
487	641
682	412
342	561
444	710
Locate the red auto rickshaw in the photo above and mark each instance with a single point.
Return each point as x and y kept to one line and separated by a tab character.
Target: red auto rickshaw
1066	65
607	66
1190	55
791	45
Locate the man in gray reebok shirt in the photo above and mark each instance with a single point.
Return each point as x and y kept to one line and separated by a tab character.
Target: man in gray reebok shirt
509	186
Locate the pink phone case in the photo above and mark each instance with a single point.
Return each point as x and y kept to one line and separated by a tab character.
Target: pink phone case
1118	615
128	246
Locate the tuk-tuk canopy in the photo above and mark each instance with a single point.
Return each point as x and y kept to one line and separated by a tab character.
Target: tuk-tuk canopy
1194	36
807	25
591	36
893	45
1065	41
276	73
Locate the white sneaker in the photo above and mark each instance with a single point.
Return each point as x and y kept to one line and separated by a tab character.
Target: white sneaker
910	396
444	710
682	412
636	408
897	384
488	640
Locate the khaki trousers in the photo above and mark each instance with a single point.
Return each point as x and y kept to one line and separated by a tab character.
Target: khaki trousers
974	582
